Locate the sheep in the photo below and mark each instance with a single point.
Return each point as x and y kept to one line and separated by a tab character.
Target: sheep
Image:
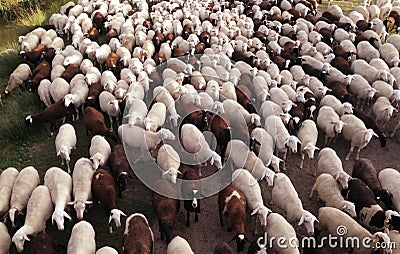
208	103
363	91
81	182
165	207
308	135
109	104
5	238
137	137
383	89
7	179
328	191
271	108
38	211
282	139
58	89
243	157
24	184
106	250
285	197
388	178
161	94
329	162
138	234
191	188
18	77
278	96
383	110
331	219
99	151
82	239
228	91
279	228
77	96
223	248
179	245
355	131
264	147
59	184
94	122
333	102
232	208
329	122
390	54
169	162
371	74
104	190
65	142
193	142
248	185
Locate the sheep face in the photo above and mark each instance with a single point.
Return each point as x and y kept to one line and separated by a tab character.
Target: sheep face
218	107
166	134
174	119
287	105
368	134
19	240
64	153
348	108
80	207
171	175
115	215
343	179
349	208
68	99
262	214
256	119
58	217
291	142
216	159
384	238
97	160
308	219
240	242
310	150
338	126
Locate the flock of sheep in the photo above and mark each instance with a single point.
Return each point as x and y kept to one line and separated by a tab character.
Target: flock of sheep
263	76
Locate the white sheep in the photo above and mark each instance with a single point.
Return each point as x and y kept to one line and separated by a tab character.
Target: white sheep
370	73
82	239
389	178
106	250
333	102
194	142
279	228
242	157
137	137
308	135
18	77
329	162
285	196
109	104
179	245
264	147
248	185
279	96
99	151
44	93
38	211
155	117
161	94
390	54
232	108
169	162
213	89
335	221
282	139
5	238
7	179
271	108
93	75
383	110
77	96
58	89
360	87
329	122
383	88
328	191
108	80
102	54
355	131
137	111
25	183
227	91
82	185
65	141
59	184
56	72
208	103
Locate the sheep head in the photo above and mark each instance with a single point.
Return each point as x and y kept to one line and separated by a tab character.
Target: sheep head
338	126
256	119
64	152
347	107
349	208
171	175
218	107
310	150
287	105
19	239
291	142
174	119
343	179
275	160
97	160
262	214
380	236
58	217
308	219
80	207
166	134
215	158
115	215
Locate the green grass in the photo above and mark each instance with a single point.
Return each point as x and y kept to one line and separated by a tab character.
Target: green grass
32	17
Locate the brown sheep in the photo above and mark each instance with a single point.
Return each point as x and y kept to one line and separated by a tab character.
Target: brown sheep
42	71
93	34
35	55
138	236
219	126
43	243
112	33
223	248
98	20
105	191
112	63
70	71
342	65
94	122
191	189
165	208
119	166
339	90
244	99
232	207
93	95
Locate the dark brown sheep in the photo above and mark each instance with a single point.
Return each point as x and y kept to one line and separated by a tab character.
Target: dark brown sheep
112	33
120	167
105	191
42	71
191	190
370	123
70	71
94	122
138	236
43	243
35	55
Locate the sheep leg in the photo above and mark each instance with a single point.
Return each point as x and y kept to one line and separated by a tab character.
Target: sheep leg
256	225
312	192
111	122
302	160
358	153
68	168
187	218
196	216
348	155
326	140
395	129
221	221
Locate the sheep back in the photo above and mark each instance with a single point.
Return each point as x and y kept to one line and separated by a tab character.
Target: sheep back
7	179
25	183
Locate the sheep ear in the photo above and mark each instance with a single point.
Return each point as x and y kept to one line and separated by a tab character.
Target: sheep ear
58	153
179	172
66	215
254	211
88	202
386	231
71	203
301	220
